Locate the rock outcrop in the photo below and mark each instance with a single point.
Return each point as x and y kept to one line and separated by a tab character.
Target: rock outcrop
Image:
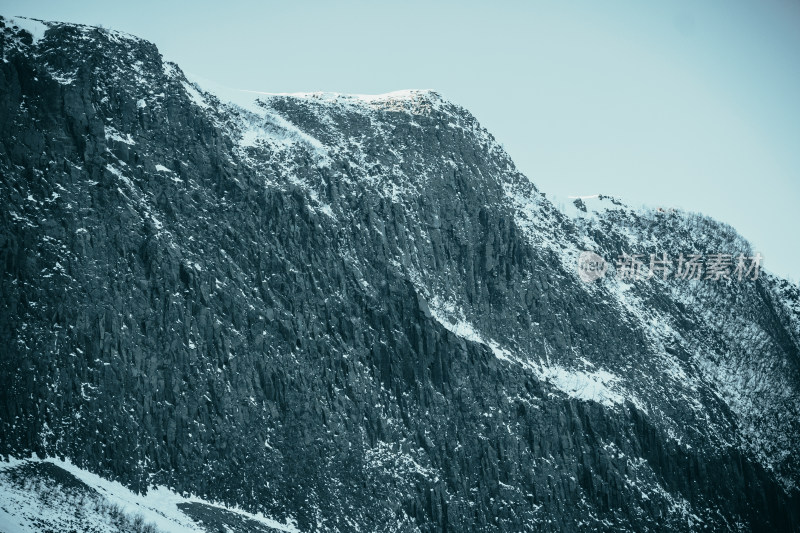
355	313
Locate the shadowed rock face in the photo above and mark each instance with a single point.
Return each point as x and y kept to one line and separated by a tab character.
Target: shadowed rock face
356	313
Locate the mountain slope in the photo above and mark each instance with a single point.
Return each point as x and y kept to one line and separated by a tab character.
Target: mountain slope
355	313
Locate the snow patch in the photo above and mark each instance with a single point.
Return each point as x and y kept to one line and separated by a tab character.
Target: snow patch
158	507
35	27
195	95
598	386
114	135
62	79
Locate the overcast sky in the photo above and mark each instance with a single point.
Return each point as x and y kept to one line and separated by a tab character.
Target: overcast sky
674	104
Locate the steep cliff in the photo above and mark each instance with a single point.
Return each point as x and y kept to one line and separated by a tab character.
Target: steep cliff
353	312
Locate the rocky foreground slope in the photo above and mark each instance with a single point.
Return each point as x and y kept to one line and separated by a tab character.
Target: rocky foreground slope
353	313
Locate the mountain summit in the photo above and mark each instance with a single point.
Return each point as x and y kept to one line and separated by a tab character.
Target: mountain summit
353	313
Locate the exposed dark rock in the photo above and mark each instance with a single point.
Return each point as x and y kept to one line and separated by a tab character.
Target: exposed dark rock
356	313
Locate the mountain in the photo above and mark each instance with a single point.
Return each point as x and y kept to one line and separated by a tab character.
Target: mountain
353	313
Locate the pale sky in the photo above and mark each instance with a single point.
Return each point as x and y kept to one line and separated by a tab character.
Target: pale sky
675	104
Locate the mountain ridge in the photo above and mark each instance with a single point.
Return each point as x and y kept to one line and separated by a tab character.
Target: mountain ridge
362	316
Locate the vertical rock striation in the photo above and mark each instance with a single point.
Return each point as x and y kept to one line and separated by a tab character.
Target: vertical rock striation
355	312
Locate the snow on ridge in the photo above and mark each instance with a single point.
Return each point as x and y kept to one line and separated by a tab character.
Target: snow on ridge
538	219
246	100
159	506
195	95
402	94
260	123
592	205
410	99
253	101
38	27
35	27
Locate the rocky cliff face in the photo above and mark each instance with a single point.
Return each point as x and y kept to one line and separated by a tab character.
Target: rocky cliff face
355	313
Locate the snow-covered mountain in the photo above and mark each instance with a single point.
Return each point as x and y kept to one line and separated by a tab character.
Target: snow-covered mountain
352	313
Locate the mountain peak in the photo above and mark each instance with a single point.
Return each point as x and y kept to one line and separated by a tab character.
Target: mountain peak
38	28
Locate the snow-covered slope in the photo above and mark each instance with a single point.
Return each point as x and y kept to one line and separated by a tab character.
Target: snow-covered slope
55	495
714	325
